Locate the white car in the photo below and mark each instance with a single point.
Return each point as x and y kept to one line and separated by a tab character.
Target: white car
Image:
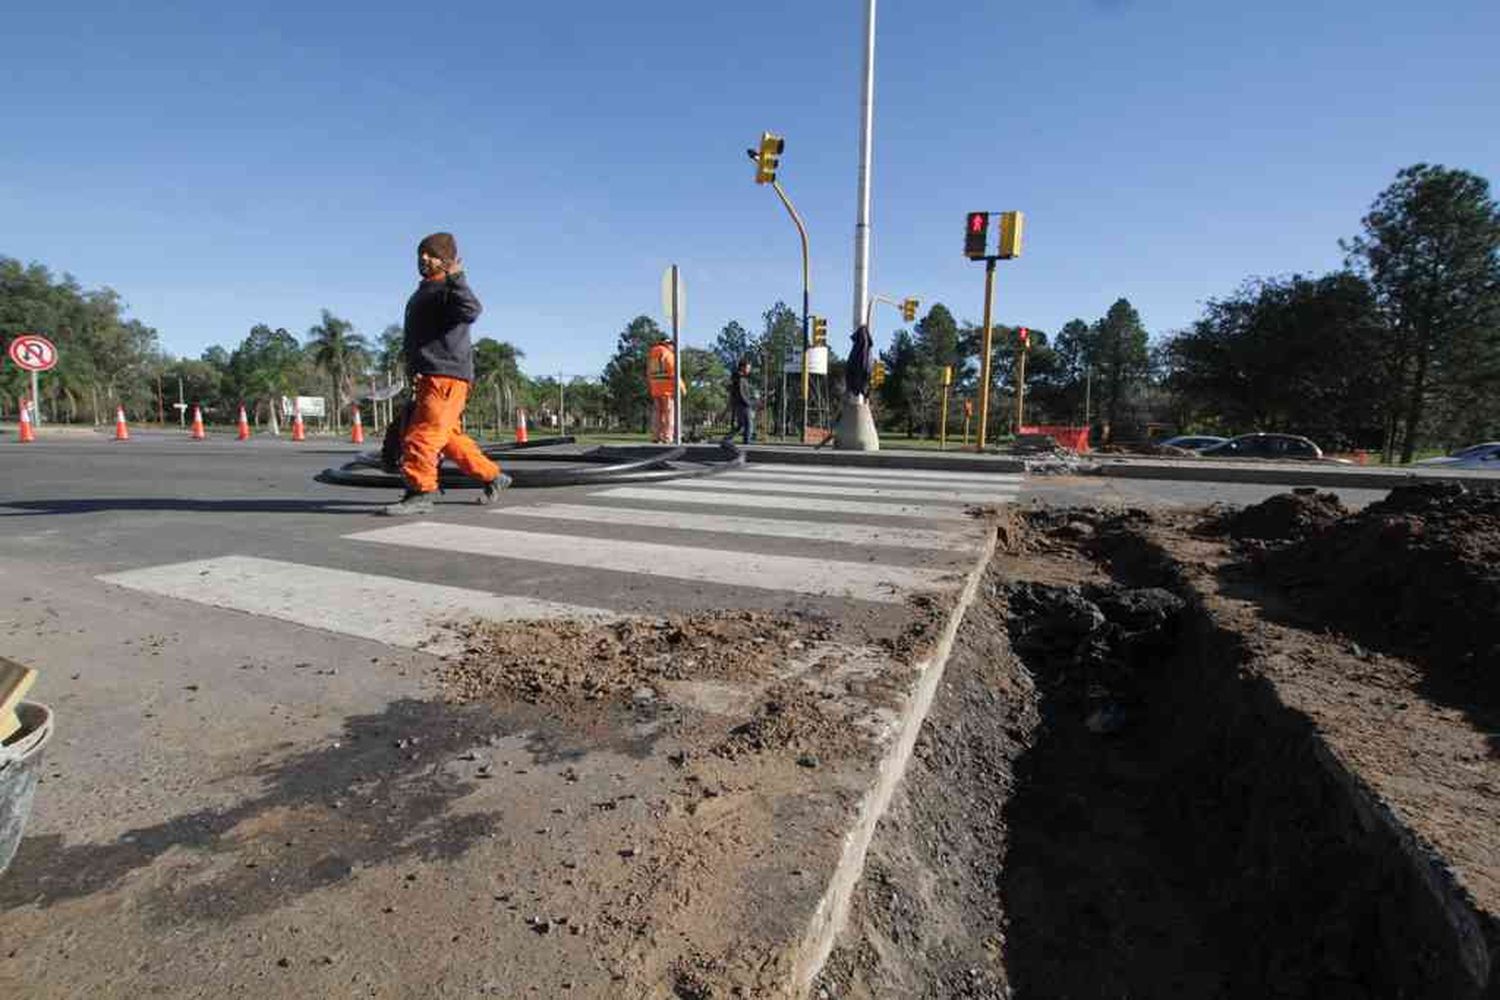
1476	456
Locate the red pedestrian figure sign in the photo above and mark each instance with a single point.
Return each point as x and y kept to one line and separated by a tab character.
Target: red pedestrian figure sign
33	352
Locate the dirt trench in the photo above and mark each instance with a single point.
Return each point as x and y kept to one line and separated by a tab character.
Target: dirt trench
1106	801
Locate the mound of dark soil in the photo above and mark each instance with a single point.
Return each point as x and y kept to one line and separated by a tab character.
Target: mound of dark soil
1417	573
1302	513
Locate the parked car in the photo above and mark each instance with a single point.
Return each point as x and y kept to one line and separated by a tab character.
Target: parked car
1193	442
1265	446
1476	456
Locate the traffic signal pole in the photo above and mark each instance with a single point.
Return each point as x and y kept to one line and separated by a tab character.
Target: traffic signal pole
989	344
806	296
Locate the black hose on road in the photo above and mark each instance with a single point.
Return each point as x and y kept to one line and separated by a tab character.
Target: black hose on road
530	465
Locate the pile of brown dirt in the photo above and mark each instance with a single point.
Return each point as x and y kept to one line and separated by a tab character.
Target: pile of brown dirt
795	718
568	661
1417	573
1302	513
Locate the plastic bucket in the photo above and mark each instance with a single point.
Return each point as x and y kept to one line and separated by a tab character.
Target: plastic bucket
20	766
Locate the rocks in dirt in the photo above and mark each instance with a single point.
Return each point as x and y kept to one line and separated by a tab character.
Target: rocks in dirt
1302	513
1097	640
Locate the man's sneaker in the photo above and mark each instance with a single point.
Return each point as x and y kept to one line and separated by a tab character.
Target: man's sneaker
492	488
414	502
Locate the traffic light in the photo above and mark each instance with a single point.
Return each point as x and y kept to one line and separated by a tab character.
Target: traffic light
819	331
877	377
976	235
1011	224
909	309
1025	336
769	157
947	374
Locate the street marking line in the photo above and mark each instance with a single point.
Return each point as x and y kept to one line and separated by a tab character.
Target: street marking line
904	475
820	531
732	498
822	577
865	492
408	613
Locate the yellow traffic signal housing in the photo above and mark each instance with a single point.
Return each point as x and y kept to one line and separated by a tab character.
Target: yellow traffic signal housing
947	374
819	331
1011	224
976	234
769	157
909	309
877	377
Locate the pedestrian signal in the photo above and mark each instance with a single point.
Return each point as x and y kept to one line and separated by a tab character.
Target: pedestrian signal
819	331
976	235
877	377
947	374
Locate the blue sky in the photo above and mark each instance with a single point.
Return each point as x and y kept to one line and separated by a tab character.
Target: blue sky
227	164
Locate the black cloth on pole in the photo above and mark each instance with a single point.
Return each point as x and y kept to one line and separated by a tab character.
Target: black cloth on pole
861	363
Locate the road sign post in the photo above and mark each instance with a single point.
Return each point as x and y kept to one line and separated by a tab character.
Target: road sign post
673	294
943	420
33	353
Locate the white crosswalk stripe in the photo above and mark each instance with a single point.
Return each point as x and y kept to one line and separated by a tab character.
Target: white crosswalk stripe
839	472
727	497
854	580
888	491
769	527
387	609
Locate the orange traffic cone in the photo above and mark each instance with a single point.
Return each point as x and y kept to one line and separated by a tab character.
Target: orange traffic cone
520	427
357	432
196	431
122	433
28	433
244	434
299	431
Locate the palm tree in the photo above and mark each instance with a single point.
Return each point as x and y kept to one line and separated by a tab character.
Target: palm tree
497	368
341	353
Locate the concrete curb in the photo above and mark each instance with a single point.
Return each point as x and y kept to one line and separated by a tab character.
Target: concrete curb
1320	476
833	909
940	461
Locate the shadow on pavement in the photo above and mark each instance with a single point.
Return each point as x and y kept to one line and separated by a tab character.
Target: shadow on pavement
377	794
33	508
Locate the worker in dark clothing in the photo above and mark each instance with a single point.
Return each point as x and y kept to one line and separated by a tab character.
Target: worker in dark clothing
440	360
741	401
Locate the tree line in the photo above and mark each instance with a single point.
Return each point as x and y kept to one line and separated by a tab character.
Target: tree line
1397	350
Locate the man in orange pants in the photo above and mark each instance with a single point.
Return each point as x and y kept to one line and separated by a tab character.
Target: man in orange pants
440	360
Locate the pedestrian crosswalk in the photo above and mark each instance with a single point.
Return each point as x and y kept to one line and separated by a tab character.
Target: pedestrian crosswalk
823	533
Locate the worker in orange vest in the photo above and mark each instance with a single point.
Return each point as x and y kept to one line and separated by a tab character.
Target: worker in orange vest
661	377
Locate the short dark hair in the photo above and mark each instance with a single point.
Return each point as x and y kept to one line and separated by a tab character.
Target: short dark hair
440	245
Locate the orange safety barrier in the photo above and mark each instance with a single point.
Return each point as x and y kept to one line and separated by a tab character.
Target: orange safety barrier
1072	438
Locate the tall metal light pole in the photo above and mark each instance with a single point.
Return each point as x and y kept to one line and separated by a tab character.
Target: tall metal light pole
866	130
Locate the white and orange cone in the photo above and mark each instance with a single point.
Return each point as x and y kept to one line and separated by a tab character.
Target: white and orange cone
196	432
122	433
244	432
357	430
299	430
520	427
28	433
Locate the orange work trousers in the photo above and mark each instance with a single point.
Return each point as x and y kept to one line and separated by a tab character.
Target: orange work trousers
433	432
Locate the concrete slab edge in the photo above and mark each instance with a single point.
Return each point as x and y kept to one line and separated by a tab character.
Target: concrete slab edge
832	911
886	460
